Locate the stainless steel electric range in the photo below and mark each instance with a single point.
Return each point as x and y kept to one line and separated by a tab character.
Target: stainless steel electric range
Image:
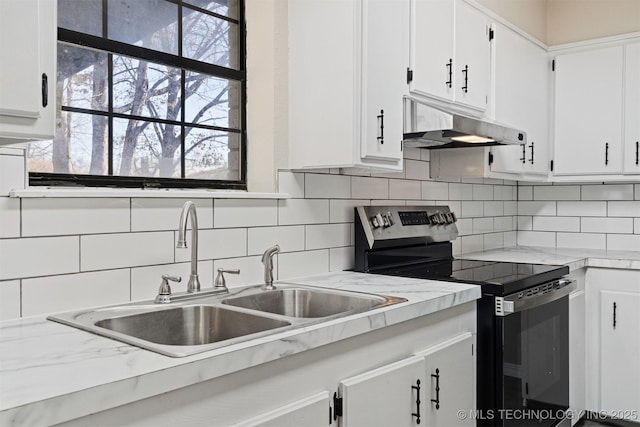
523	326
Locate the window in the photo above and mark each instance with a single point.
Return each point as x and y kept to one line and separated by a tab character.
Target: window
151	93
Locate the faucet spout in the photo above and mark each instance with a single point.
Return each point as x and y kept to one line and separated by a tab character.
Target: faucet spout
189	211
267	260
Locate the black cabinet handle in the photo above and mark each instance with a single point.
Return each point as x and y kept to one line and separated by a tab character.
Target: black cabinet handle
381	120
437	399
450	67
614	315
606	153
637	152
45	90
531	146
465	88
417	413
523	159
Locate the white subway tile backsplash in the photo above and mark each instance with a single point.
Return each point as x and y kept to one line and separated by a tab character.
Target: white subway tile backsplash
251	270
636	225
42	256
482	192
556	223
537	208
525	223
556	192
434	190
291	183
341	258
9	299
460	191
607	192
12	174
511	208
413	153
216	243
525	192
606	225
636	190
9	217
109	251
503	192
582	240
627	209
494	208
369	188
388	202
327	236
74	291
319	186
582	208
493	241
465	226
425	155
145	281
482	225
415	169
510	238
472	209
403	189
303	211
164	214
471	243
51	216
289	238
623	242
503	223
342	210
230	213
536	238
297	264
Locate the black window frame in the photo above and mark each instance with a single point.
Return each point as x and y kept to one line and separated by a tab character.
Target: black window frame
112	47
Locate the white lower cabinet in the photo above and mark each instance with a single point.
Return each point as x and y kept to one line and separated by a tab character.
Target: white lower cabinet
613	342
308	412
429	388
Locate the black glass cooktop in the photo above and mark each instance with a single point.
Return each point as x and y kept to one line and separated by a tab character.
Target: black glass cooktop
496	278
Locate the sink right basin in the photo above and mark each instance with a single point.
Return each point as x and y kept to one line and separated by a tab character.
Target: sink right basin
305	302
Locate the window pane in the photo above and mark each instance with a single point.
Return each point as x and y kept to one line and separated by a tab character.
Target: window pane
84	16
146	89
212	101
79	147
210	39
150	23
82	78
212	154
147	149
221	7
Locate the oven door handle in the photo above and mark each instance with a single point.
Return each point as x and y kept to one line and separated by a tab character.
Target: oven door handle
516	303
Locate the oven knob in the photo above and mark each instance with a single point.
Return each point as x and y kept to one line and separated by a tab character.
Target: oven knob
390	219
374	222
380	220
449	218
435	219
443	219
385	221
453	216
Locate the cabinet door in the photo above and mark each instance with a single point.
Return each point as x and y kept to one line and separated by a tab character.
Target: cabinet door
450	382
27	71
432	48
387	396
620	360
385	49
588	112
632	109
521	72
310	412
472	63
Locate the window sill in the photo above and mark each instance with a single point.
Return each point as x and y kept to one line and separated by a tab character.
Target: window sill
52	192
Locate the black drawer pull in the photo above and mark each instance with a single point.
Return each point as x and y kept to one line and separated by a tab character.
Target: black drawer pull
45	90
465	88
381	120
450	67
531	146
637	152
417	413
606	153
437	399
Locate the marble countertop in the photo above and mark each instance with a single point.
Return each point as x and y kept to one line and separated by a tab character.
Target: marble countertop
51	373
574	258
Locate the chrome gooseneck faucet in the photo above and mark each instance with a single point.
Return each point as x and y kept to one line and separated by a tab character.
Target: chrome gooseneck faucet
189	210
267	260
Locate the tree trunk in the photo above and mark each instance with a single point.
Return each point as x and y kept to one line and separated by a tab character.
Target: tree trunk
133	130
170	142
99	144
60	156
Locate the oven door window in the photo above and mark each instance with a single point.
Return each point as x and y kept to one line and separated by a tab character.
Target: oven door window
536	365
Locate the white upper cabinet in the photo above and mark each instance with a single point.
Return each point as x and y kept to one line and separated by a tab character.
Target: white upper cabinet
450	52
27	70
632	109
588	112
348	65
521	100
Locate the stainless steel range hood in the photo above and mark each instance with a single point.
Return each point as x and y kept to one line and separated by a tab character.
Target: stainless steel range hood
428	127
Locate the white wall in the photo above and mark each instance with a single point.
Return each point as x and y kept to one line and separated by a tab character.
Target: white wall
63	254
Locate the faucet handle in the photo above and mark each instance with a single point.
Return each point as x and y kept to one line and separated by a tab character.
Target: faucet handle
164	293
220	283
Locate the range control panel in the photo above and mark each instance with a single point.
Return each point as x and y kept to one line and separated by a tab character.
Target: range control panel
434	223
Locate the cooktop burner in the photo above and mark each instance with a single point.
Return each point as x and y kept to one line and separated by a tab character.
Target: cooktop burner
496	278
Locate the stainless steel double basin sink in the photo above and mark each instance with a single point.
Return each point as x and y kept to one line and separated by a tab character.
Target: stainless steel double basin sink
206	322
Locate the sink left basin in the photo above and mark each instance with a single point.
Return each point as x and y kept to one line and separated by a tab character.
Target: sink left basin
173	331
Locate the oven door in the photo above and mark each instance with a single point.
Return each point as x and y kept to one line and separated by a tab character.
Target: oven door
534	376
